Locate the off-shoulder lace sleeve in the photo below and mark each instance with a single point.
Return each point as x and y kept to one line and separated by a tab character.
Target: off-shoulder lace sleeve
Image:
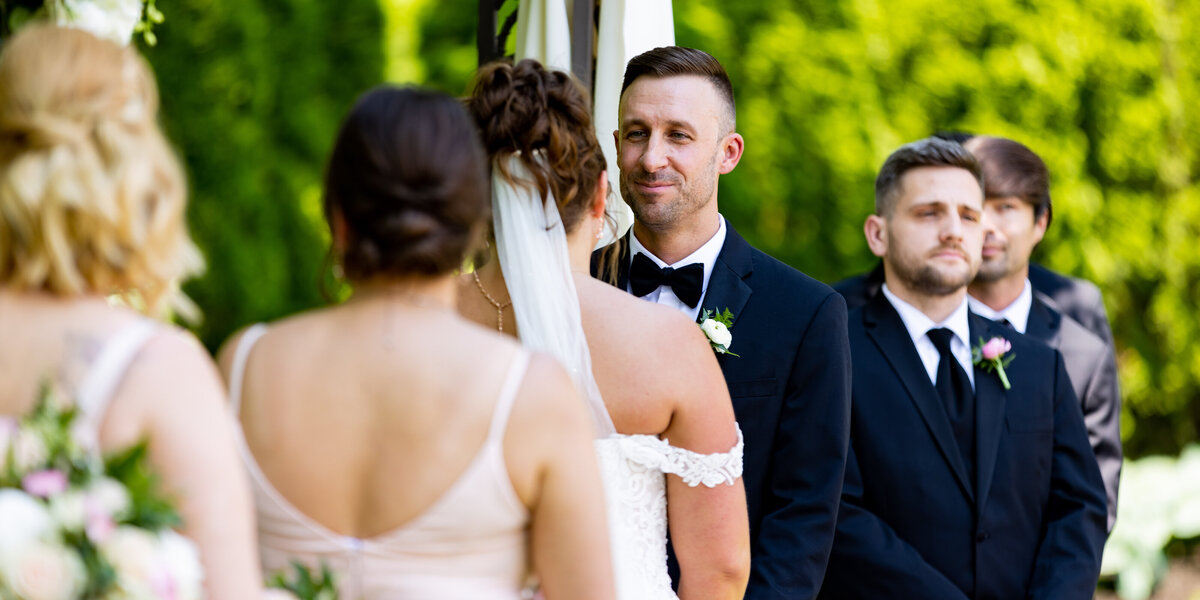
709	470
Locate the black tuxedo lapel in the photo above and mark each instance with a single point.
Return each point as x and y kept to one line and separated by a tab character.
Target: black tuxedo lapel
887	331
990	399
726	285
1044	325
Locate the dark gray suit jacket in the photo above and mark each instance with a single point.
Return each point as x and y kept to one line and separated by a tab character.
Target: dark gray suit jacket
1093	374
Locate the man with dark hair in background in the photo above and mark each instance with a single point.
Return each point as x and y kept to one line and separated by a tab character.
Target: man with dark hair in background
1018	209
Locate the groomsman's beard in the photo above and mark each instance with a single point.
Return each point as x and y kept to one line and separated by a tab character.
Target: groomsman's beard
929	280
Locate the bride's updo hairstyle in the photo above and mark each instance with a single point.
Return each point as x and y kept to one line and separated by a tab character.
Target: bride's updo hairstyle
409	178
544	117
92	200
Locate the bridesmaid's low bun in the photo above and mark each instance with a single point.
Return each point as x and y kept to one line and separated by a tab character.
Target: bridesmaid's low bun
409	178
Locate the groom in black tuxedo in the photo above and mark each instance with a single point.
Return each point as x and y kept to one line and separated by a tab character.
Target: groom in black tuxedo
958	485
790	380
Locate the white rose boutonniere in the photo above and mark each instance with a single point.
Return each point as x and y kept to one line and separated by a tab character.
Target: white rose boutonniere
715	326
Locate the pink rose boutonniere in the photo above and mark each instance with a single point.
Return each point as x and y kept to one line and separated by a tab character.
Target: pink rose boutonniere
993	355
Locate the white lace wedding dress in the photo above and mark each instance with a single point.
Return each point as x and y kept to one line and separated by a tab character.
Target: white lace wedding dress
532	248
634	469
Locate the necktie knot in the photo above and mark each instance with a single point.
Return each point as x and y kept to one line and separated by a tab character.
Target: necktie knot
941	339
687	282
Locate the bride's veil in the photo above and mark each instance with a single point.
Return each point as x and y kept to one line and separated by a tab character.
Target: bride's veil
531	242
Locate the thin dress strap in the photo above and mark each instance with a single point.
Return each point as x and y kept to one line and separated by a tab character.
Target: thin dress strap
106	373
240	356
508	396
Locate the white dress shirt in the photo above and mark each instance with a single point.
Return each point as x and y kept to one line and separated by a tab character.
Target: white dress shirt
705	254
1017	313
918	325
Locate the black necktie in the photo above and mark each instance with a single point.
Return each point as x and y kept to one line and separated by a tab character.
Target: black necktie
1005	322
955	390
687	282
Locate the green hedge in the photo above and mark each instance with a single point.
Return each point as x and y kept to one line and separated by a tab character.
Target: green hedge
253	92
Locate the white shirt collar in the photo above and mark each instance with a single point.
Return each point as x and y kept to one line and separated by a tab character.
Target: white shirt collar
918	326
1017	313
706	254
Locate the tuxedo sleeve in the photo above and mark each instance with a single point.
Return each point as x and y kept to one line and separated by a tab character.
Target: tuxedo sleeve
1074	525
870	561
808	463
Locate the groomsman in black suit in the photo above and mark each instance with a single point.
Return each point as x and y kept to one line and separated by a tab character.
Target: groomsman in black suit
790	381
1017	205
962	481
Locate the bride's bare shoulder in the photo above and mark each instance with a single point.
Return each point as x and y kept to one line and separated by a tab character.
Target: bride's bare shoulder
628	320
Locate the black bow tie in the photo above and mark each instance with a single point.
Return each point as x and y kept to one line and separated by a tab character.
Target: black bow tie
687	282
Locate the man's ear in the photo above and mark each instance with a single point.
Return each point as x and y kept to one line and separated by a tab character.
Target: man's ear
731	152
338	229
1039	227
875	229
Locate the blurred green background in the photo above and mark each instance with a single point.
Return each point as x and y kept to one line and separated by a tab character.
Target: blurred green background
254	90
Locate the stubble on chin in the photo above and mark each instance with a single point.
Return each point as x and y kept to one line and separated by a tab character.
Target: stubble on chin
931	281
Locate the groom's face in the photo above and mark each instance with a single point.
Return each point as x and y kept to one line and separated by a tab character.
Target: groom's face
934	234
669	148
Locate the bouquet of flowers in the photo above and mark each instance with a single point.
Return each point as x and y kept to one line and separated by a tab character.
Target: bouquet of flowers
116	20
79	527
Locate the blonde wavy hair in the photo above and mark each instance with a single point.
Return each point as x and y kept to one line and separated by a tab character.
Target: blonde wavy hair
92	200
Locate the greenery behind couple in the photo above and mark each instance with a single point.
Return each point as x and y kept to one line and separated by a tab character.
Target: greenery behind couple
825	91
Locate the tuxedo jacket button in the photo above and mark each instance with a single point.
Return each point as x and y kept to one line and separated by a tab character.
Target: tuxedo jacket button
981	536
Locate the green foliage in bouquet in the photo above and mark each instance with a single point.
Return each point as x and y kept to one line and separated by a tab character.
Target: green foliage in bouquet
304	584
149	508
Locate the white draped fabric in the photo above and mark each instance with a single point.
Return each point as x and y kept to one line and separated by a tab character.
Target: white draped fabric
544	33
627	28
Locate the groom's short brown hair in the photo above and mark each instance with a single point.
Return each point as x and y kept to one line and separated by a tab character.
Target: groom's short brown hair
673	61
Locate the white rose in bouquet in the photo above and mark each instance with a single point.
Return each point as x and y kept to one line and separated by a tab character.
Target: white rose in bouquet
110	19
154	566
28	451
109	496
181	567
24	522
133	554
70	510
46	571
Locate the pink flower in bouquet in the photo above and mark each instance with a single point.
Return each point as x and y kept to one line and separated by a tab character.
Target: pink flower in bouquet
995	348
44	484
100	524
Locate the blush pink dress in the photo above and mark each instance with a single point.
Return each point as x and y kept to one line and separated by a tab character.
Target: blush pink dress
471	543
